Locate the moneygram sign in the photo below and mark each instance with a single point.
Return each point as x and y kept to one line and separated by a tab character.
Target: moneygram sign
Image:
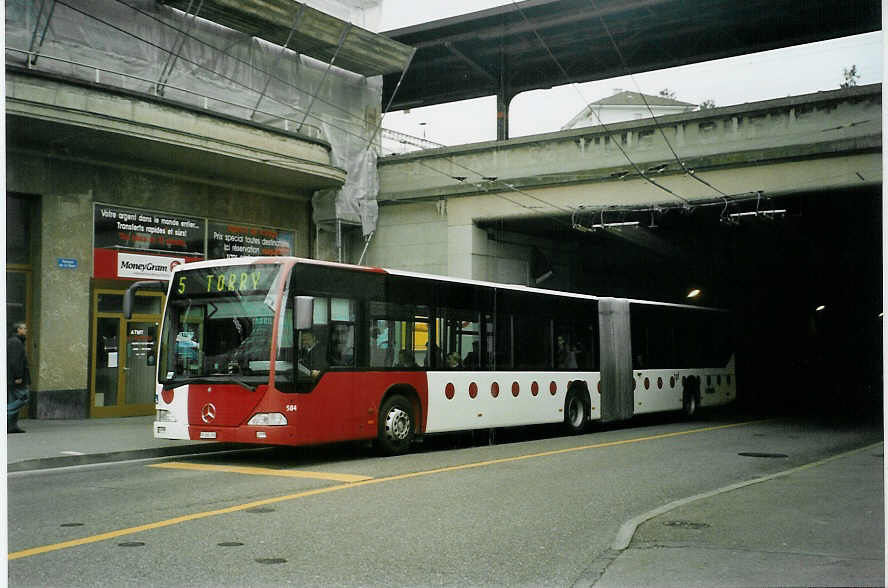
148	267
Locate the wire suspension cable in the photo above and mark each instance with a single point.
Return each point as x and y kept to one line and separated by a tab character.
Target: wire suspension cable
625	65
568	80
391	99
201	66
503	197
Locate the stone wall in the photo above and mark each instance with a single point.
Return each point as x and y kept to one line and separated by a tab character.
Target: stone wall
65	191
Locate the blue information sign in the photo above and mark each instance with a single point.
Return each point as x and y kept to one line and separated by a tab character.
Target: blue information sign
68	263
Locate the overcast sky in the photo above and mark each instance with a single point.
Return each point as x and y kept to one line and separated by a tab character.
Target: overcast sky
747	78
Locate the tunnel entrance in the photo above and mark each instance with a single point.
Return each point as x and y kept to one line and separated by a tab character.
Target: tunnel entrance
804	284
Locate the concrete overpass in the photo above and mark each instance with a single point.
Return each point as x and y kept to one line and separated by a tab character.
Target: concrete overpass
804	284
540	186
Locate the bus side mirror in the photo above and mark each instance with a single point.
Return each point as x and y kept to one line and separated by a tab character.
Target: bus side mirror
130	296
304	312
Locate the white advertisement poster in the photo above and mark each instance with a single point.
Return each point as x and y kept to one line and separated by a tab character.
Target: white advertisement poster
149	267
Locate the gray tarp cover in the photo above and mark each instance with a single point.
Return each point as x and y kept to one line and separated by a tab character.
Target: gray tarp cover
134	38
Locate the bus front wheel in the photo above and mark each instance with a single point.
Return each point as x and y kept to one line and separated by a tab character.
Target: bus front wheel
396	425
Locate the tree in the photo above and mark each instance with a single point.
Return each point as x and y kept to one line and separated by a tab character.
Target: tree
667	93
707	104
849	77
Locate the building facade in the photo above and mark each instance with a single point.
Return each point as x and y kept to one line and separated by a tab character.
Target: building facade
143	135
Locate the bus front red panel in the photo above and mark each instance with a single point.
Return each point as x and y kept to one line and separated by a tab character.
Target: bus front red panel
222	405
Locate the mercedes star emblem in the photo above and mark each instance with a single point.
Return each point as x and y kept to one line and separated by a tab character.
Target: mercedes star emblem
208	413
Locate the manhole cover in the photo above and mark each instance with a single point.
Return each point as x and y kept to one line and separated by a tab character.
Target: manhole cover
71	525
758	454
260	510
271	560
230	544
686	524
131	544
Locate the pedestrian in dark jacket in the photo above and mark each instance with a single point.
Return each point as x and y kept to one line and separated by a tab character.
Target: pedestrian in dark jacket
18	378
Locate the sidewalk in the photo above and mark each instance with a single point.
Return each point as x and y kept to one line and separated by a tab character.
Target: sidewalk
60	443
819	525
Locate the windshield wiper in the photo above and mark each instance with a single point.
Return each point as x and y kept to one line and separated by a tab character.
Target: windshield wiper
242	382
215	379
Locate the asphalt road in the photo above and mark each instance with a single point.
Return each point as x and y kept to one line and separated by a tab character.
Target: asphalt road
534	509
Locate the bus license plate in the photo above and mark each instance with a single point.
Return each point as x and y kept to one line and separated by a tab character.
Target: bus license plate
208	434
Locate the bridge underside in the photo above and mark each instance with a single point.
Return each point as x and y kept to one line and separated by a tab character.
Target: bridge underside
539	44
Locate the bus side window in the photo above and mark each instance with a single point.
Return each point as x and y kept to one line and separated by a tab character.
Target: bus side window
341	350
533	342
342	345
381	350
503	357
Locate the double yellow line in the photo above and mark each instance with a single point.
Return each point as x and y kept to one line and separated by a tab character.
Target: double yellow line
349	481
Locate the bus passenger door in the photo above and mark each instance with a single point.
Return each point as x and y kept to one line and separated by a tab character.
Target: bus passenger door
617	391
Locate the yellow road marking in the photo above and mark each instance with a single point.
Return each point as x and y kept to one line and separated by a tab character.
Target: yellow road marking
347	478
241	507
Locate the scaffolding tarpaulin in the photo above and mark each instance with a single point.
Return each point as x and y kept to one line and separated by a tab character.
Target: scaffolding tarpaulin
145	46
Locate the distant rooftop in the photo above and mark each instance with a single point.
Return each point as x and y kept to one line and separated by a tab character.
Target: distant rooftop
626	105
627	98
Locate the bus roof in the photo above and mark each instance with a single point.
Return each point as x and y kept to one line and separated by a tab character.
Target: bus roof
423	276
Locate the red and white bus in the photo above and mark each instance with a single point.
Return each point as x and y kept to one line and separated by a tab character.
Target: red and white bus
291	351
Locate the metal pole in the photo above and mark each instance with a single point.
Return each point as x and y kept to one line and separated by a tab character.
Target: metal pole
314	95
339	240
32	55
392	98
366	246
280	55
174	54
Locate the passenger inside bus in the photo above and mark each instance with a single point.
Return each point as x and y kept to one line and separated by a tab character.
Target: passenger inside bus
380	350
565	354
472	360
406	360
311	355
433	351
255	347
342	350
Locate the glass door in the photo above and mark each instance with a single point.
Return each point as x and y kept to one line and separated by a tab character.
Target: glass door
124	354
141	362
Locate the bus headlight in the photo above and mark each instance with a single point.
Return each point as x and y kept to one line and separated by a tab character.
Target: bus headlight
268	419
165	416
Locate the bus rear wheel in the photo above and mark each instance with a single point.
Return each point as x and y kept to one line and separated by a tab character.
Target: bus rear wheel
396	425
575	413
690	397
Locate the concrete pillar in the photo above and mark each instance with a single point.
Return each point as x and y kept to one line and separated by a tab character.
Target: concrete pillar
62	301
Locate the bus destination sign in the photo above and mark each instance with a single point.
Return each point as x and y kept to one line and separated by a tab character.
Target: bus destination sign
222	281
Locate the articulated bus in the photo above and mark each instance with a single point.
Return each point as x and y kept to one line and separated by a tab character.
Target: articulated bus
289	351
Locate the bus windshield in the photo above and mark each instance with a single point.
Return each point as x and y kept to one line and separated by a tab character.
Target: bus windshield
219	323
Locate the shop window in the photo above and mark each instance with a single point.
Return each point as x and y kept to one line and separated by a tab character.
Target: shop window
18	230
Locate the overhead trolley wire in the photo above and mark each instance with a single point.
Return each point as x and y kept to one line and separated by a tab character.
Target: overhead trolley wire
498	195
626	68
203	67
569	81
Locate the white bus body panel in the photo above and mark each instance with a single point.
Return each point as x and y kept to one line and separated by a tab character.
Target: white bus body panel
177	425
462	412
664	389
